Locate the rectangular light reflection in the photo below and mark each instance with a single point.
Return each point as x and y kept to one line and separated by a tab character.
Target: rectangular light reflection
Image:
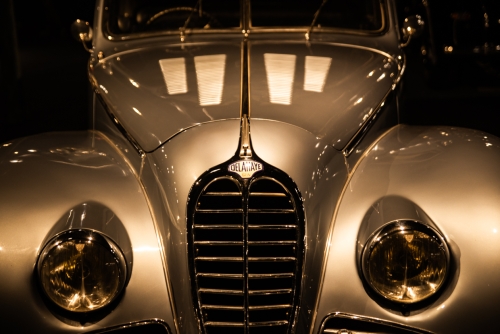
280	71
174	73
210	76
316	71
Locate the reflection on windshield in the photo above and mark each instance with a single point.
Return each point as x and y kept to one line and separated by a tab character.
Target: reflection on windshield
126	17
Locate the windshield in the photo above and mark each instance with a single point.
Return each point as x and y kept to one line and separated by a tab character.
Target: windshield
125	17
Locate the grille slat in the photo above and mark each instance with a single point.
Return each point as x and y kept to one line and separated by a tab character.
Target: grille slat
268	323
230	259
270	227
255	194
277	275
212	227
222	307
219	211
271	211
269	292
224	324
221	291
271	259
218	275
246	255
219	243
237	194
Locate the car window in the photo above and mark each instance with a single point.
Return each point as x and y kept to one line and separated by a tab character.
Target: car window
125	17
139	16
352	14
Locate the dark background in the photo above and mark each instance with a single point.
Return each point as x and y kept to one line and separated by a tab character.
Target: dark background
44	85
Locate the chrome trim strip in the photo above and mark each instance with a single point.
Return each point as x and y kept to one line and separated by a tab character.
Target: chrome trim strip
228	259
365	127
217	275
332	224
224	324
132	325
270	307
268	323
270	292
256	194
222	307
279	275
222	194
371	320
273	227
245	87
220	210
215	227
271	211
272	259
221	243
221	291
118	125
159	238
277	243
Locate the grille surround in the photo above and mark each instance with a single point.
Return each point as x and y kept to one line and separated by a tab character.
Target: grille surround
246	251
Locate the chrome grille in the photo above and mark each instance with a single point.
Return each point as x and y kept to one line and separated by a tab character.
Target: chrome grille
246	255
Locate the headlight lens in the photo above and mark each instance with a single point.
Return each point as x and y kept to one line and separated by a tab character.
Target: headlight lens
82	270
406	261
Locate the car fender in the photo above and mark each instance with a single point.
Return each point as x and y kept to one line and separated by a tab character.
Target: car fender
59	181
443	174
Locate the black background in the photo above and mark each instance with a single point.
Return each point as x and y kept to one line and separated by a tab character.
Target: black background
44	84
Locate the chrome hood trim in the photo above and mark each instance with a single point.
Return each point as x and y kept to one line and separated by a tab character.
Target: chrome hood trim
157	92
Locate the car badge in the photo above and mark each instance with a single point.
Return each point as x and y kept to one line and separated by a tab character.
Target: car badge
245	168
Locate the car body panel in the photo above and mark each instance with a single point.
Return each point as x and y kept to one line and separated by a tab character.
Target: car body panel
440	170
320	112
45	178
157	92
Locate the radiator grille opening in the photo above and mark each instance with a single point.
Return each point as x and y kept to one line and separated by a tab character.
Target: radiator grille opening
246	243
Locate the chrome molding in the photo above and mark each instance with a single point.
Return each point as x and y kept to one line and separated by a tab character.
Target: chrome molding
155	223
131	325
247	237
120	127
332	224
400	328
366	126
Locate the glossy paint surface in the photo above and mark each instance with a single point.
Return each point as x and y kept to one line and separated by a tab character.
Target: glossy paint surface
328	89
168	175
442	172
50	183
157	92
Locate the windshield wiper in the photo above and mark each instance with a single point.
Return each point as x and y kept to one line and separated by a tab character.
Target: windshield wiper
196	8
308	32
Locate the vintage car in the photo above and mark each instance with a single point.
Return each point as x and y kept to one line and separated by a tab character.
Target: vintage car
246	172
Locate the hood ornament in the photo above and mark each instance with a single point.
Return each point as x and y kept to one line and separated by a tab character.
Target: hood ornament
246	167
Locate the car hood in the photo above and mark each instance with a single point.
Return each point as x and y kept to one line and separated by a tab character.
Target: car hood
328	89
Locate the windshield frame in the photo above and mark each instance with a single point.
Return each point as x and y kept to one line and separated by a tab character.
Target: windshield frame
245	27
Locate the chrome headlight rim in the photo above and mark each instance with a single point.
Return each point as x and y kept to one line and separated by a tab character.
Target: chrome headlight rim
391	228
85	235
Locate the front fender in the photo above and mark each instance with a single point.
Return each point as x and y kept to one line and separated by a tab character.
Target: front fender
58	181
448	176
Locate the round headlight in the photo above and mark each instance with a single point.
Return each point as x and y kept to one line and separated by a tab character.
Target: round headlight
81	270
405	261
